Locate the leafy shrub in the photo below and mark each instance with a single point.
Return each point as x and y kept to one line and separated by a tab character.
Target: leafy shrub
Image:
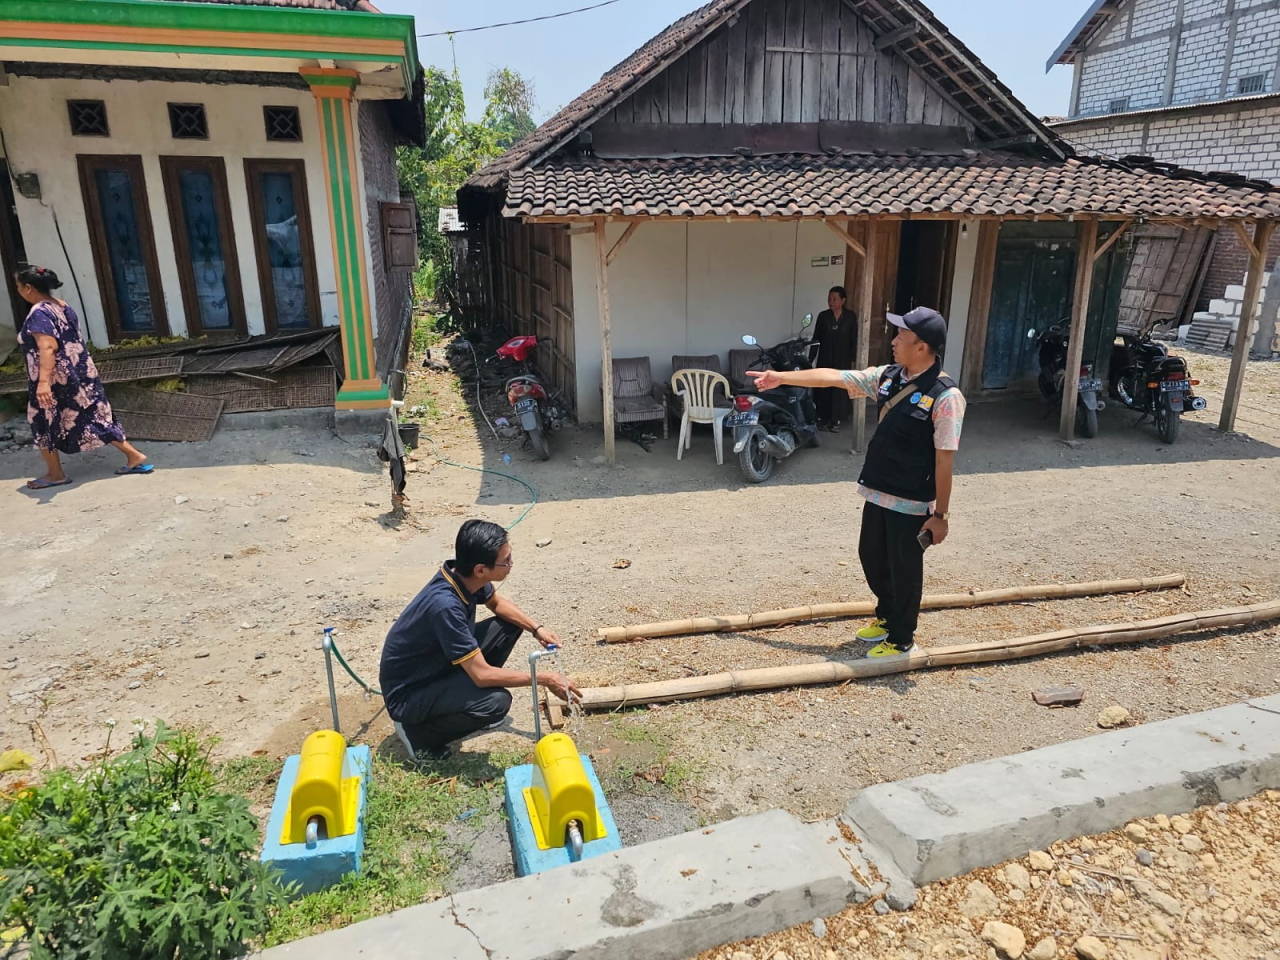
141	856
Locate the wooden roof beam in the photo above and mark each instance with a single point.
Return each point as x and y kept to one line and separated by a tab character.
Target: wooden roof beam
1124	225
844	235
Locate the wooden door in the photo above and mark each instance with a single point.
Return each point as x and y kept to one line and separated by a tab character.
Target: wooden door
1031	291
1162	275
204	243
124	246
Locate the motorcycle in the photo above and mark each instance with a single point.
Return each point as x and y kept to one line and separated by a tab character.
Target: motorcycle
770	426
1147	378
1053	373
536	408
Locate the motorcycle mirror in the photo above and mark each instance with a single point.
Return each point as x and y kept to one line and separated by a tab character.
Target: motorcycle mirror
749	340
1031	334
807	321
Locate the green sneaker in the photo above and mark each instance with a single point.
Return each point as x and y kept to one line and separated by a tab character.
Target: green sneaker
873	633
884	650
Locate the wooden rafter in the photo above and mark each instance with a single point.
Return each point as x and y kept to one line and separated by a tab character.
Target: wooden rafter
844	235
1112	239
1245	238
622	240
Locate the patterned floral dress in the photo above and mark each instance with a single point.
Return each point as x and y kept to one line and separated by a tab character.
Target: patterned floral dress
81	419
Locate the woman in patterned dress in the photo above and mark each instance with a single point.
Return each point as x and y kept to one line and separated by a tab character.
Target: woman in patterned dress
66	405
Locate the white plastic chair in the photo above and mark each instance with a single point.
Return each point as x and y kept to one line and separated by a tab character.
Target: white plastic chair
698	388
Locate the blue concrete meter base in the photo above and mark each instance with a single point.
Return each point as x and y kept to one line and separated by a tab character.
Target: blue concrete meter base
525	854
329	860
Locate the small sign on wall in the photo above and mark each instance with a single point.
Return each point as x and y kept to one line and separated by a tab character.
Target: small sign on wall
838	260
820	262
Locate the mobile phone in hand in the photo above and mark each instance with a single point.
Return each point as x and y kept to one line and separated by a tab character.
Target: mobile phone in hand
925	539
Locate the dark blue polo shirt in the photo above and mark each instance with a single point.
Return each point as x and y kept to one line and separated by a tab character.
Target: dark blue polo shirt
434	634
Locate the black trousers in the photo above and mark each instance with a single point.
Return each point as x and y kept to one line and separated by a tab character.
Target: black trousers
833	404
451	706
893	564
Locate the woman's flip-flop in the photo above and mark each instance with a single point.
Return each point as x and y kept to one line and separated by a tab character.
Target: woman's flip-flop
42	484
139	468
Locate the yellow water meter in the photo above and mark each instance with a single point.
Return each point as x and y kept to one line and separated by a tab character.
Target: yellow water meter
560	799
325	791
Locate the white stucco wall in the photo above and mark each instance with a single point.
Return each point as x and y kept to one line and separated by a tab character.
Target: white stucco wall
695	288
33	115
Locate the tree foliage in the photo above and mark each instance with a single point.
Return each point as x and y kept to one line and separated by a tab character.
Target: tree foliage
509	105
457	147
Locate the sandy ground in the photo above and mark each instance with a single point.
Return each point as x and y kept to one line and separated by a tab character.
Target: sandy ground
198	594
1167	888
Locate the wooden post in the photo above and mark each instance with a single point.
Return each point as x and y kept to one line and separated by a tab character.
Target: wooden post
606	340
975	334
1088	233
866	307
1244	331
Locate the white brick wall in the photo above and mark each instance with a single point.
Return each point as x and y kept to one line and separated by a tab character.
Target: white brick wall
1117	32
1152	16
1202	55
1257	41
1134	63
1195	10
1135	71
1241	141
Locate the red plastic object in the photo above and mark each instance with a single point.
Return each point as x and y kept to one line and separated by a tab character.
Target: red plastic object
518	348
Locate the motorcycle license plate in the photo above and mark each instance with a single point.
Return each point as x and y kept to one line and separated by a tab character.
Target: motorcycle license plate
741	420
1094	385
1174	386
525	405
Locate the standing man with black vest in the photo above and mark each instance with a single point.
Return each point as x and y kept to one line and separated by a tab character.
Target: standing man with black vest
906	475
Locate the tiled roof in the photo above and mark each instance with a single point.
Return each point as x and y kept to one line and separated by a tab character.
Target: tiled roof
977	184
298	4
934	50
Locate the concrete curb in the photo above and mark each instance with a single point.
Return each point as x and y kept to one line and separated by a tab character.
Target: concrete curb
948	824
664	900
306	418
676	897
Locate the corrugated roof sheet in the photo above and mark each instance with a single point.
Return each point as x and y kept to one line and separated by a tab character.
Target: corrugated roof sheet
448	220
981	184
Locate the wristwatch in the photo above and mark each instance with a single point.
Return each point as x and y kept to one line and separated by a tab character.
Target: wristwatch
942	516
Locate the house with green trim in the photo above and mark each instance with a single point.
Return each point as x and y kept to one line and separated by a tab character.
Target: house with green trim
221	169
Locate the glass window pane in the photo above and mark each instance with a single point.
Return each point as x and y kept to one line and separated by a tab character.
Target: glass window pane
124	247
204	239
284	246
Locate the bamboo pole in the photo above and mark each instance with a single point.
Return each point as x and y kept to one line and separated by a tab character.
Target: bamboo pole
863	608
838	671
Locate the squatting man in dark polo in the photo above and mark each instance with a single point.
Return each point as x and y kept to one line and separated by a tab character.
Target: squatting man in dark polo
906	475
442	676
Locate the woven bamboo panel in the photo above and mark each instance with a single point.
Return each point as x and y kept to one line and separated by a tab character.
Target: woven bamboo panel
139	368
285	390
155	415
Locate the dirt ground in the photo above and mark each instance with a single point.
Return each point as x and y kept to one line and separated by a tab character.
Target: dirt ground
198	594
1167	888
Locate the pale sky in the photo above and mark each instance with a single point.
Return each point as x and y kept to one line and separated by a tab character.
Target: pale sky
563	57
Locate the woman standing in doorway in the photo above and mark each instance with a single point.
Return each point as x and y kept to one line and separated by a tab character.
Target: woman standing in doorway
66	405
837	334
